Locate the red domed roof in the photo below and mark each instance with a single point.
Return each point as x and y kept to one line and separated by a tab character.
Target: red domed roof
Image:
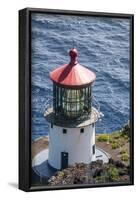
73	74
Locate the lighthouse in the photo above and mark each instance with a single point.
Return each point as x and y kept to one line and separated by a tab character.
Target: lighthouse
71	116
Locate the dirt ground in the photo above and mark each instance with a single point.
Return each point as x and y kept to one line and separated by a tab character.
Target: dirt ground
114	153
39	145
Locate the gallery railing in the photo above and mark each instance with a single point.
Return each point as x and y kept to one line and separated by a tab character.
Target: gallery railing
95	112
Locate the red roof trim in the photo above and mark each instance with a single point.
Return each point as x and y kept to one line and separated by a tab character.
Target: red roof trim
72	86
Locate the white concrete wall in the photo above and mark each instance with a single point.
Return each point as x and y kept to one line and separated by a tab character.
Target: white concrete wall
78	145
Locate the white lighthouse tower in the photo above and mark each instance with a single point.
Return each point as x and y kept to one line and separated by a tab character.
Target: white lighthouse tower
72	117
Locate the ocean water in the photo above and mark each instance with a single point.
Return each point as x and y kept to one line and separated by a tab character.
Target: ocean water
103	47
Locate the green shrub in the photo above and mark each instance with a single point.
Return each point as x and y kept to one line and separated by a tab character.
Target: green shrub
126	129
113	174
102	138
126	137
116	135
100	179
123	151
124	157
114	145
111	140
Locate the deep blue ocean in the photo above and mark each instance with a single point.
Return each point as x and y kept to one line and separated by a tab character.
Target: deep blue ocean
103	47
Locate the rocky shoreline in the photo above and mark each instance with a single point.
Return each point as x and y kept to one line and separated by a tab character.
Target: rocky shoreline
93	173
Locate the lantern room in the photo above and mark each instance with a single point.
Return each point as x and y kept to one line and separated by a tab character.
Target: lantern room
72	89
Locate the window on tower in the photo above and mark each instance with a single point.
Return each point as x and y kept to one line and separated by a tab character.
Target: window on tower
64	130
93	150
82	130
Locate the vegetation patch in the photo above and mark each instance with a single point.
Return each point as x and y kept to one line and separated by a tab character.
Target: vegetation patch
102	138
123	151
125	157
116	135
115	145
113	174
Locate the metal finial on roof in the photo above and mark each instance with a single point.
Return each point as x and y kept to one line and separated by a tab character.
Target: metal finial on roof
73	56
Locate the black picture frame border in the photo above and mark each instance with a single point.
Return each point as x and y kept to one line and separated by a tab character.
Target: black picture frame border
25	96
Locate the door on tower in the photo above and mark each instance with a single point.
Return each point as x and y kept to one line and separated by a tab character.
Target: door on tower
64	160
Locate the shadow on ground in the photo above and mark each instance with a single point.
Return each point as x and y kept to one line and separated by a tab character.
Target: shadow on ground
13	184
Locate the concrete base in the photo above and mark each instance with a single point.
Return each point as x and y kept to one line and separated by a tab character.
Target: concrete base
43	169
